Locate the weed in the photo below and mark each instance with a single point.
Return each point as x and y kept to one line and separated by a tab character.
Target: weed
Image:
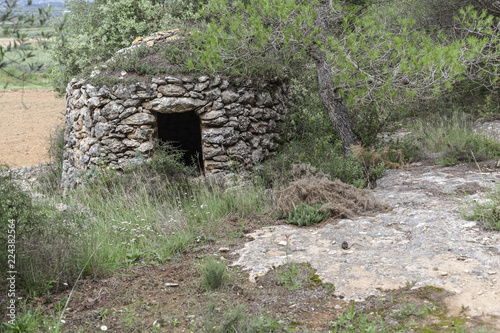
213	274
47	240
410	284
451	139
306	215
486	210
236	320
29	319
294	276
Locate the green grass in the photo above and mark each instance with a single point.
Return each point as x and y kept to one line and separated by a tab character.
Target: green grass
29	319
235	319
486	210
213	274
134	220
293	275
23	69
449	140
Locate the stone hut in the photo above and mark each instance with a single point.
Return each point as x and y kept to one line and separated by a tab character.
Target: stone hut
217	123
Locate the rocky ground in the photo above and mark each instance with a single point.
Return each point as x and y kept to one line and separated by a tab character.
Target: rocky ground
422	240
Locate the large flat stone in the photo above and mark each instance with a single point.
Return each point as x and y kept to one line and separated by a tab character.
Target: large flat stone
173	104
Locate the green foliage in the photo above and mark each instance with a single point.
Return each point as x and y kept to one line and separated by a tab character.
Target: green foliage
240	36
487	212
294	276
376	161
213	274
306	215
154	211
96	30
26	321
16	59
168	161
46	244
451	139
490	109
326	156
236	320
310	139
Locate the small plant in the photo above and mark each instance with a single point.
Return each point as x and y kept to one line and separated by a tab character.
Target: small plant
410	284
236	320
294	276
306	215
487	212
213	274
288	276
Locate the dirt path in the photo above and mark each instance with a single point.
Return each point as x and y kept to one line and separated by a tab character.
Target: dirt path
27	118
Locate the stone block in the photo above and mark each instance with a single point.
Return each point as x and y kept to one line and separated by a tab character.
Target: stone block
112	110
173	105
139	119
127	112
229	96
171	90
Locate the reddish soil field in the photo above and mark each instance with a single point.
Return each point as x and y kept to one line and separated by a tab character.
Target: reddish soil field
27	118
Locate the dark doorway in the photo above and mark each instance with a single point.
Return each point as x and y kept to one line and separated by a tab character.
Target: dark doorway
183	131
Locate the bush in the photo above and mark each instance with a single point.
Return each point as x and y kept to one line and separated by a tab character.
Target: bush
451	139
236	320
213	274
47	241
306	215
96	30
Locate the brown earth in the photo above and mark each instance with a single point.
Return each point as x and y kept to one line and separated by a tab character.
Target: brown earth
27	119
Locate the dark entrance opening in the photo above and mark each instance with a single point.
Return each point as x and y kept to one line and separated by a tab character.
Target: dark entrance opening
183	131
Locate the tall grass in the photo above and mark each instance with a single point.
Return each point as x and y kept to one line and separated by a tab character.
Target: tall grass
47	242
450	139
137	219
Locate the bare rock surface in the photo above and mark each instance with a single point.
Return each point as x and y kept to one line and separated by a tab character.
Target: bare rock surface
421	238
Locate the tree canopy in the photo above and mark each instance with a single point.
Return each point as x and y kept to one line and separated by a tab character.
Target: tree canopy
376	54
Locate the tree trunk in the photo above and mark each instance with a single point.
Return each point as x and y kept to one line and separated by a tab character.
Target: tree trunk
334	105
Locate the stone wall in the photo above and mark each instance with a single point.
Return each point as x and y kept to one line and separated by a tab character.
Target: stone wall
115	126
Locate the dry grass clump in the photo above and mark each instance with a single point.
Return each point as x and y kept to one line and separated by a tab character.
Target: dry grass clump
343	200
304	170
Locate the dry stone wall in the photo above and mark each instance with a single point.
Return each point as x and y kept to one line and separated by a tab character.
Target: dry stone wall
113	127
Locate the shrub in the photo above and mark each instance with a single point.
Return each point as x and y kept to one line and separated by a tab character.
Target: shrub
213	274
236	320
293	275
376	161
47	240
96	30
451	139
306	215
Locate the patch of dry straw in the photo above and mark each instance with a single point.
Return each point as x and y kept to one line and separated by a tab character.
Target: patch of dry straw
343	200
